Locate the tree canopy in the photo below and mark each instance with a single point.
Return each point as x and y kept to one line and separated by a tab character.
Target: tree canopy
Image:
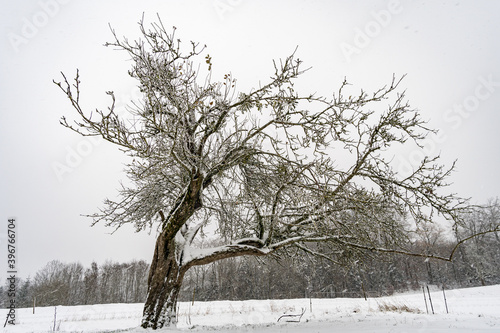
266	169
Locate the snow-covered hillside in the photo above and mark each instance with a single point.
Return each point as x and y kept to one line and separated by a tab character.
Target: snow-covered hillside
470	310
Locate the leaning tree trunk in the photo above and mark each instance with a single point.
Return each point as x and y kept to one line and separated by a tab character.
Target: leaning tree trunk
164	283
165	273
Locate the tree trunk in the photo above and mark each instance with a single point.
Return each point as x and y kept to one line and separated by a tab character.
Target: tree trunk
164	283
166	272
429	272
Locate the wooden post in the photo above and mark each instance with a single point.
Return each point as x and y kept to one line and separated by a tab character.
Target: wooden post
55	317
363	288
430	300
425	300
34	304
445	303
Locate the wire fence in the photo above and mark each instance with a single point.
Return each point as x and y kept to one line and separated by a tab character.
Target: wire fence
190	295
348	294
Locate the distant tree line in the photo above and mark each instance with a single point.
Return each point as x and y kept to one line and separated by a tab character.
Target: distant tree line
476	263
297	275
71	284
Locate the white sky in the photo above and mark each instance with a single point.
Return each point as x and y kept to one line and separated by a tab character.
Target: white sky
449	49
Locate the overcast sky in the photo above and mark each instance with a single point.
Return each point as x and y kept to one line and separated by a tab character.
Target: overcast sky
450	51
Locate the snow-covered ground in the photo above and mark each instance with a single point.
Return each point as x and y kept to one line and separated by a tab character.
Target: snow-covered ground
470	310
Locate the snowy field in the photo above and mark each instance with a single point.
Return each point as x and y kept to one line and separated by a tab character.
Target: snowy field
470	310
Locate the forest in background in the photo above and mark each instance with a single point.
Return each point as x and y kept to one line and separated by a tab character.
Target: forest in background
476	263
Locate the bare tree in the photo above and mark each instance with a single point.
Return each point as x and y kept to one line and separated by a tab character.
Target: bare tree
58	283
268	169
90	281
480	256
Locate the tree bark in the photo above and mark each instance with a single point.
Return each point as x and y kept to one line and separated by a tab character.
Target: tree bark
164	283
167	270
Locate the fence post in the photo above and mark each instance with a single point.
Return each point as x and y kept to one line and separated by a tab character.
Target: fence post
425	300
363	288
430	300
445	303
55	317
